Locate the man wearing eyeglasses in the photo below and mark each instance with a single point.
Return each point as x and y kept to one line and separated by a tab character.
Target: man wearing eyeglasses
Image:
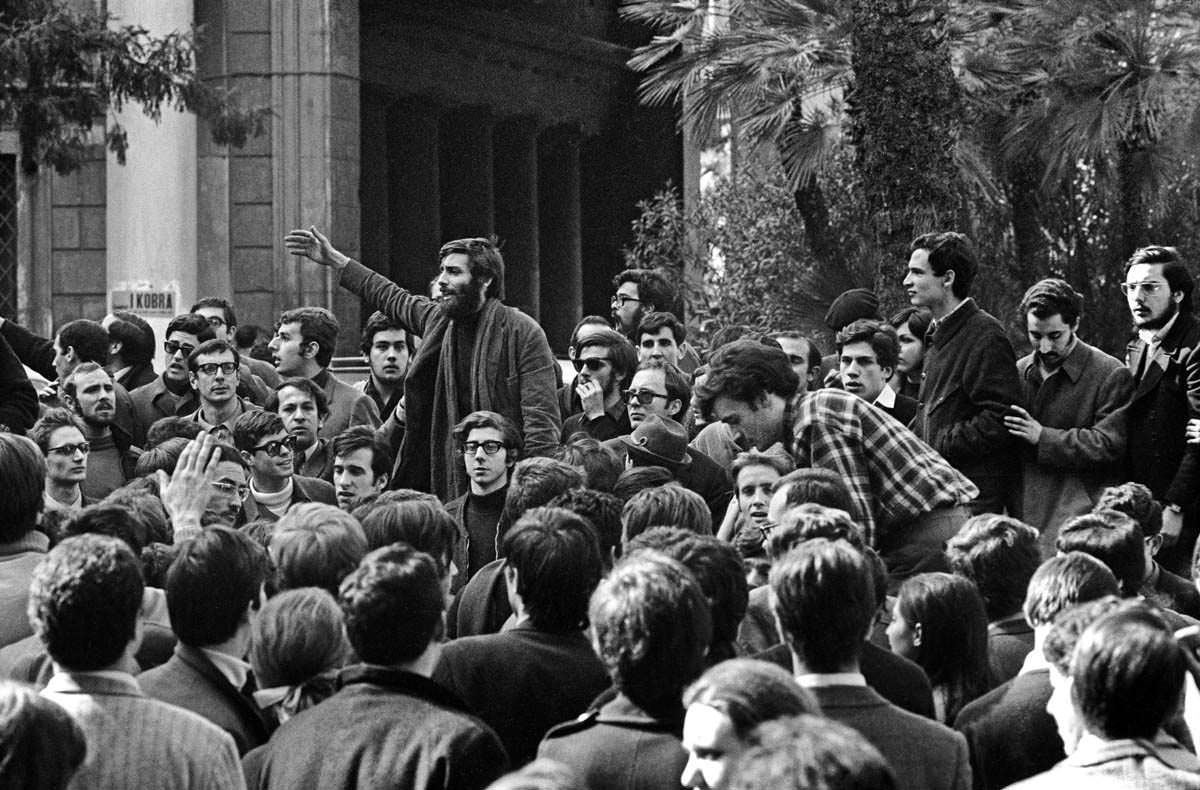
214	372
1164	360
269	451
490	445
220	316
605	361
476	353
171	393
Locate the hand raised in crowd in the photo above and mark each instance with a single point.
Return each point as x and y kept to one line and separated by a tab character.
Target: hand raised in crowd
187	492
1021	424
591	397
312	244
1193	431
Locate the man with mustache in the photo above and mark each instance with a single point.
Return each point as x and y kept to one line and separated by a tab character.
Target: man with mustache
89	391
476	354
1074	431
1164	360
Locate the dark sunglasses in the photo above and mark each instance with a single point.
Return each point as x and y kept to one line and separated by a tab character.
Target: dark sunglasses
644	397
172	348
275	448
593	364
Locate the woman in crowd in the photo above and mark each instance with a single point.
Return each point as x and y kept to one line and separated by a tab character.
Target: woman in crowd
910	324
939	622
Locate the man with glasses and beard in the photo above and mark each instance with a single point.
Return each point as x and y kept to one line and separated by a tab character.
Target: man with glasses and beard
89	392
270	452
476	353
1158	289
605	361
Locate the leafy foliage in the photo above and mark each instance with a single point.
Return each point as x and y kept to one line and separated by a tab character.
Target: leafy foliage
63	70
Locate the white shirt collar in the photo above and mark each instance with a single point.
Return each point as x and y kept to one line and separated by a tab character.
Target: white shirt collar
817	680
1035	661
887	397
234	669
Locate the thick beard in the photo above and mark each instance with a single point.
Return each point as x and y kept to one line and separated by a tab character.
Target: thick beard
466	303
1161	321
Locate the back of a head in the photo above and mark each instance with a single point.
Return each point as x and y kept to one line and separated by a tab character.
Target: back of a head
1065	581
1128	673
426	526
41	746
1135	501
817	486
750	692
599	465
999	554
603	511
84	601
650	627
316	545
113	520
215	577
954	637
533	483
164	456
297	636
806	522
393	605
88	338
140	496
810	752
556	556
718	568
167	428
824	600
639	478
1111	537
23	470
665	506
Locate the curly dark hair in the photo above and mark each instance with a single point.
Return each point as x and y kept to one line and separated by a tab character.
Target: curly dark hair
746	371
393	605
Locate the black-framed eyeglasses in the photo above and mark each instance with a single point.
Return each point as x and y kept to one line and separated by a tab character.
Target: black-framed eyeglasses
211	368
593	364
215	320
275	447
490	447
172	347
231	489
69	450
619	300
644	397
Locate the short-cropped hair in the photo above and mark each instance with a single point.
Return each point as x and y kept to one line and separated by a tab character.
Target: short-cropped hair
393	605
84	601
806	522
950	251
534	482
1060	641
999	554
1065	581
750	692
68	384
718	567
316	545
816	486
600	466
214	578
209	347
1128	674
358	437
603	511
309	388
171	427
677	383
514	442
1051	297
50	421
1111	537
297	635
192	324
639	478
556	555
824	600
426	526
669	505
650	627
252	426
655	322
879	336
23	470
779	461
43	746
1135	501
88	338
382	322
811	752
317	325
135	336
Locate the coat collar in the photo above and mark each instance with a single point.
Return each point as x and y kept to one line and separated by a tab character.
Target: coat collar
400	681
949	326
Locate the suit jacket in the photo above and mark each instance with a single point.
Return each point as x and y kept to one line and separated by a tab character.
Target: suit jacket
1083	408
1009	733
191	681
347	406
922	753
383	728
18	559
1128	764
304	489
970	379
1165	396
1172	592
134	742
897	680
904	409
619	746
703	475
151	402
1009	643
548	679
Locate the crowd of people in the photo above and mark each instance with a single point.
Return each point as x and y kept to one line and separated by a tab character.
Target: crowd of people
918	561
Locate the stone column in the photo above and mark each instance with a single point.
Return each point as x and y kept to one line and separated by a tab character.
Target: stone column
516	209
414	196
560	237
150	215
465	155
